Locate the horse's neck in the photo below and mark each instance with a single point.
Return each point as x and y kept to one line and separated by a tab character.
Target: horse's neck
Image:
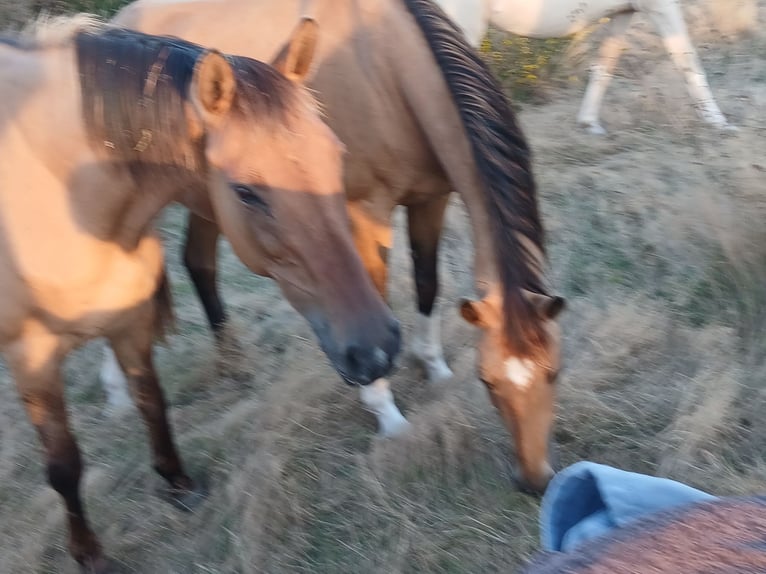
434	111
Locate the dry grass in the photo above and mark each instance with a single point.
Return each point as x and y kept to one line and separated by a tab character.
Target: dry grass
657	238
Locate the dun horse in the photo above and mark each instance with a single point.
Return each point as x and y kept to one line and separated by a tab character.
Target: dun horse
559	18
100	128
421	116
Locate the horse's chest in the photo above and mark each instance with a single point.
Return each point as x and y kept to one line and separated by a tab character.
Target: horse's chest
113	282
78	284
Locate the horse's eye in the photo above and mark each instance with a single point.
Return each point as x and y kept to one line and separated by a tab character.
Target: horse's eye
250	197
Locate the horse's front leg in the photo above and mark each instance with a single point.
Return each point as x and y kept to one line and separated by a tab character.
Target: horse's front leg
373	239
36	362
133	350
669	21
200	259
425	223
601	73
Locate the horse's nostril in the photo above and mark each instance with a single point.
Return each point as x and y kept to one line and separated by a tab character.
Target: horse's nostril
380	358
353	358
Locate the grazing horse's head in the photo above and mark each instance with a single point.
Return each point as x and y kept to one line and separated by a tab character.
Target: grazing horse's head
275	174
521	384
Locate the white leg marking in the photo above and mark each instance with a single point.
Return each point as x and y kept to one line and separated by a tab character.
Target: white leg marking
114	382
427	347
379	400
519	372
669	20
601	74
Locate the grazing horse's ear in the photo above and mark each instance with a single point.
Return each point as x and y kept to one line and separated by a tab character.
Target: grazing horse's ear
475	312
296	56
213	85
547	307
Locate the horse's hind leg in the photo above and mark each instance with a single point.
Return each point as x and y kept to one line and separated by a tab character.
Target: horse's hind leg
425	222
36	363
601	73
669	20
200	259
133	349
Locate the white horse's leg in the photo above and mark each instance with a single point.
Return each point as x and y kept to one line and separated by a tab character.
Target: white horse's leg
668	18
427	347
113	381
379	400
601	73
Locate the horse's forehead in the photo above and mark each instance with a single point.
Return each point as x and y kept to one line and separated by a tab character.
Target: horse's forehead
520	371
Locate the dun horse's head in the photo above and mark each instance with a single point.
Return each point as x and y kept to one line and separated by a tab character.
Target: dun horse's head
276	185
521	385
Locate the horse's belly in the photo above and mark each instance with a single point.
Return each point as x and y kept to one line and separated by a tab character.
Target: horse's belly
552	18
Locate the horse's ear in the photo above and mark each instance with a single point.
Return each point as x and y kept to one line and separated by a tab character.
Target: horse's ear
213	85
296	56
547	307
475	312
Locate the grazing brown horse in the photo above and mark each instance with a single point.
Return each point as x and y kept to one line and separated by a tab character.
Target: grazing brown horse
723	536
421	115
100	128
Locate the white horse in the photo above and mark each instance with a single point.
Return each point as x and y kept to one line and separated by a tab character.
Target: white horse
559	18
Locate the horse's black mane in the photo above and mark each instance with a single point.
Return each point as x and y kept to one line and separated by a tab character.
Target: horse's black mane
504	164
134	87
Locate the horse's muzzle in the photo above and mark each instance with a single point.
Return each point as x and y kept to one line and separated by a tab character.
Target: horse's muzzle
366	357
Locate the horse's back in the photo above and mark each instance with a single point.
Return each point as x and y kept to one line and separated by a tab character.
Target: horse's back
726	536
356	76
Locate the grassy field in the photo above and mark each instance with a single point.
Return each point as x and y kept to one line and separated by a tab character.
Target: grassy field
657	238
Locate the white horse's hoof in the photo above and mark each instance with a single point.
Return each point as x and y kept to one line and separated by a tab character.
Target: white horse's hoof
437	370
393	427
378	399
593	128
427	348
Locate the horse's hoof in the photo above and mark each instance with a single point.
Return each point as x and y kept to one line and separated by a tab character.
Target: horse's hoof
435	367
187	498
231	359
100	565
438	372
594	129
394	428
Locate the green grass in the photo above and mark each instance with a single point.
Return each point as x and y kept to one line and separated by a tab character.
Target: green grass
103	8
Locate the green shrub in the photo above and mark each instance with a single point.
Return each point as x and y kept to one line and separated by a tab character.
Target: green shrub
525	66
